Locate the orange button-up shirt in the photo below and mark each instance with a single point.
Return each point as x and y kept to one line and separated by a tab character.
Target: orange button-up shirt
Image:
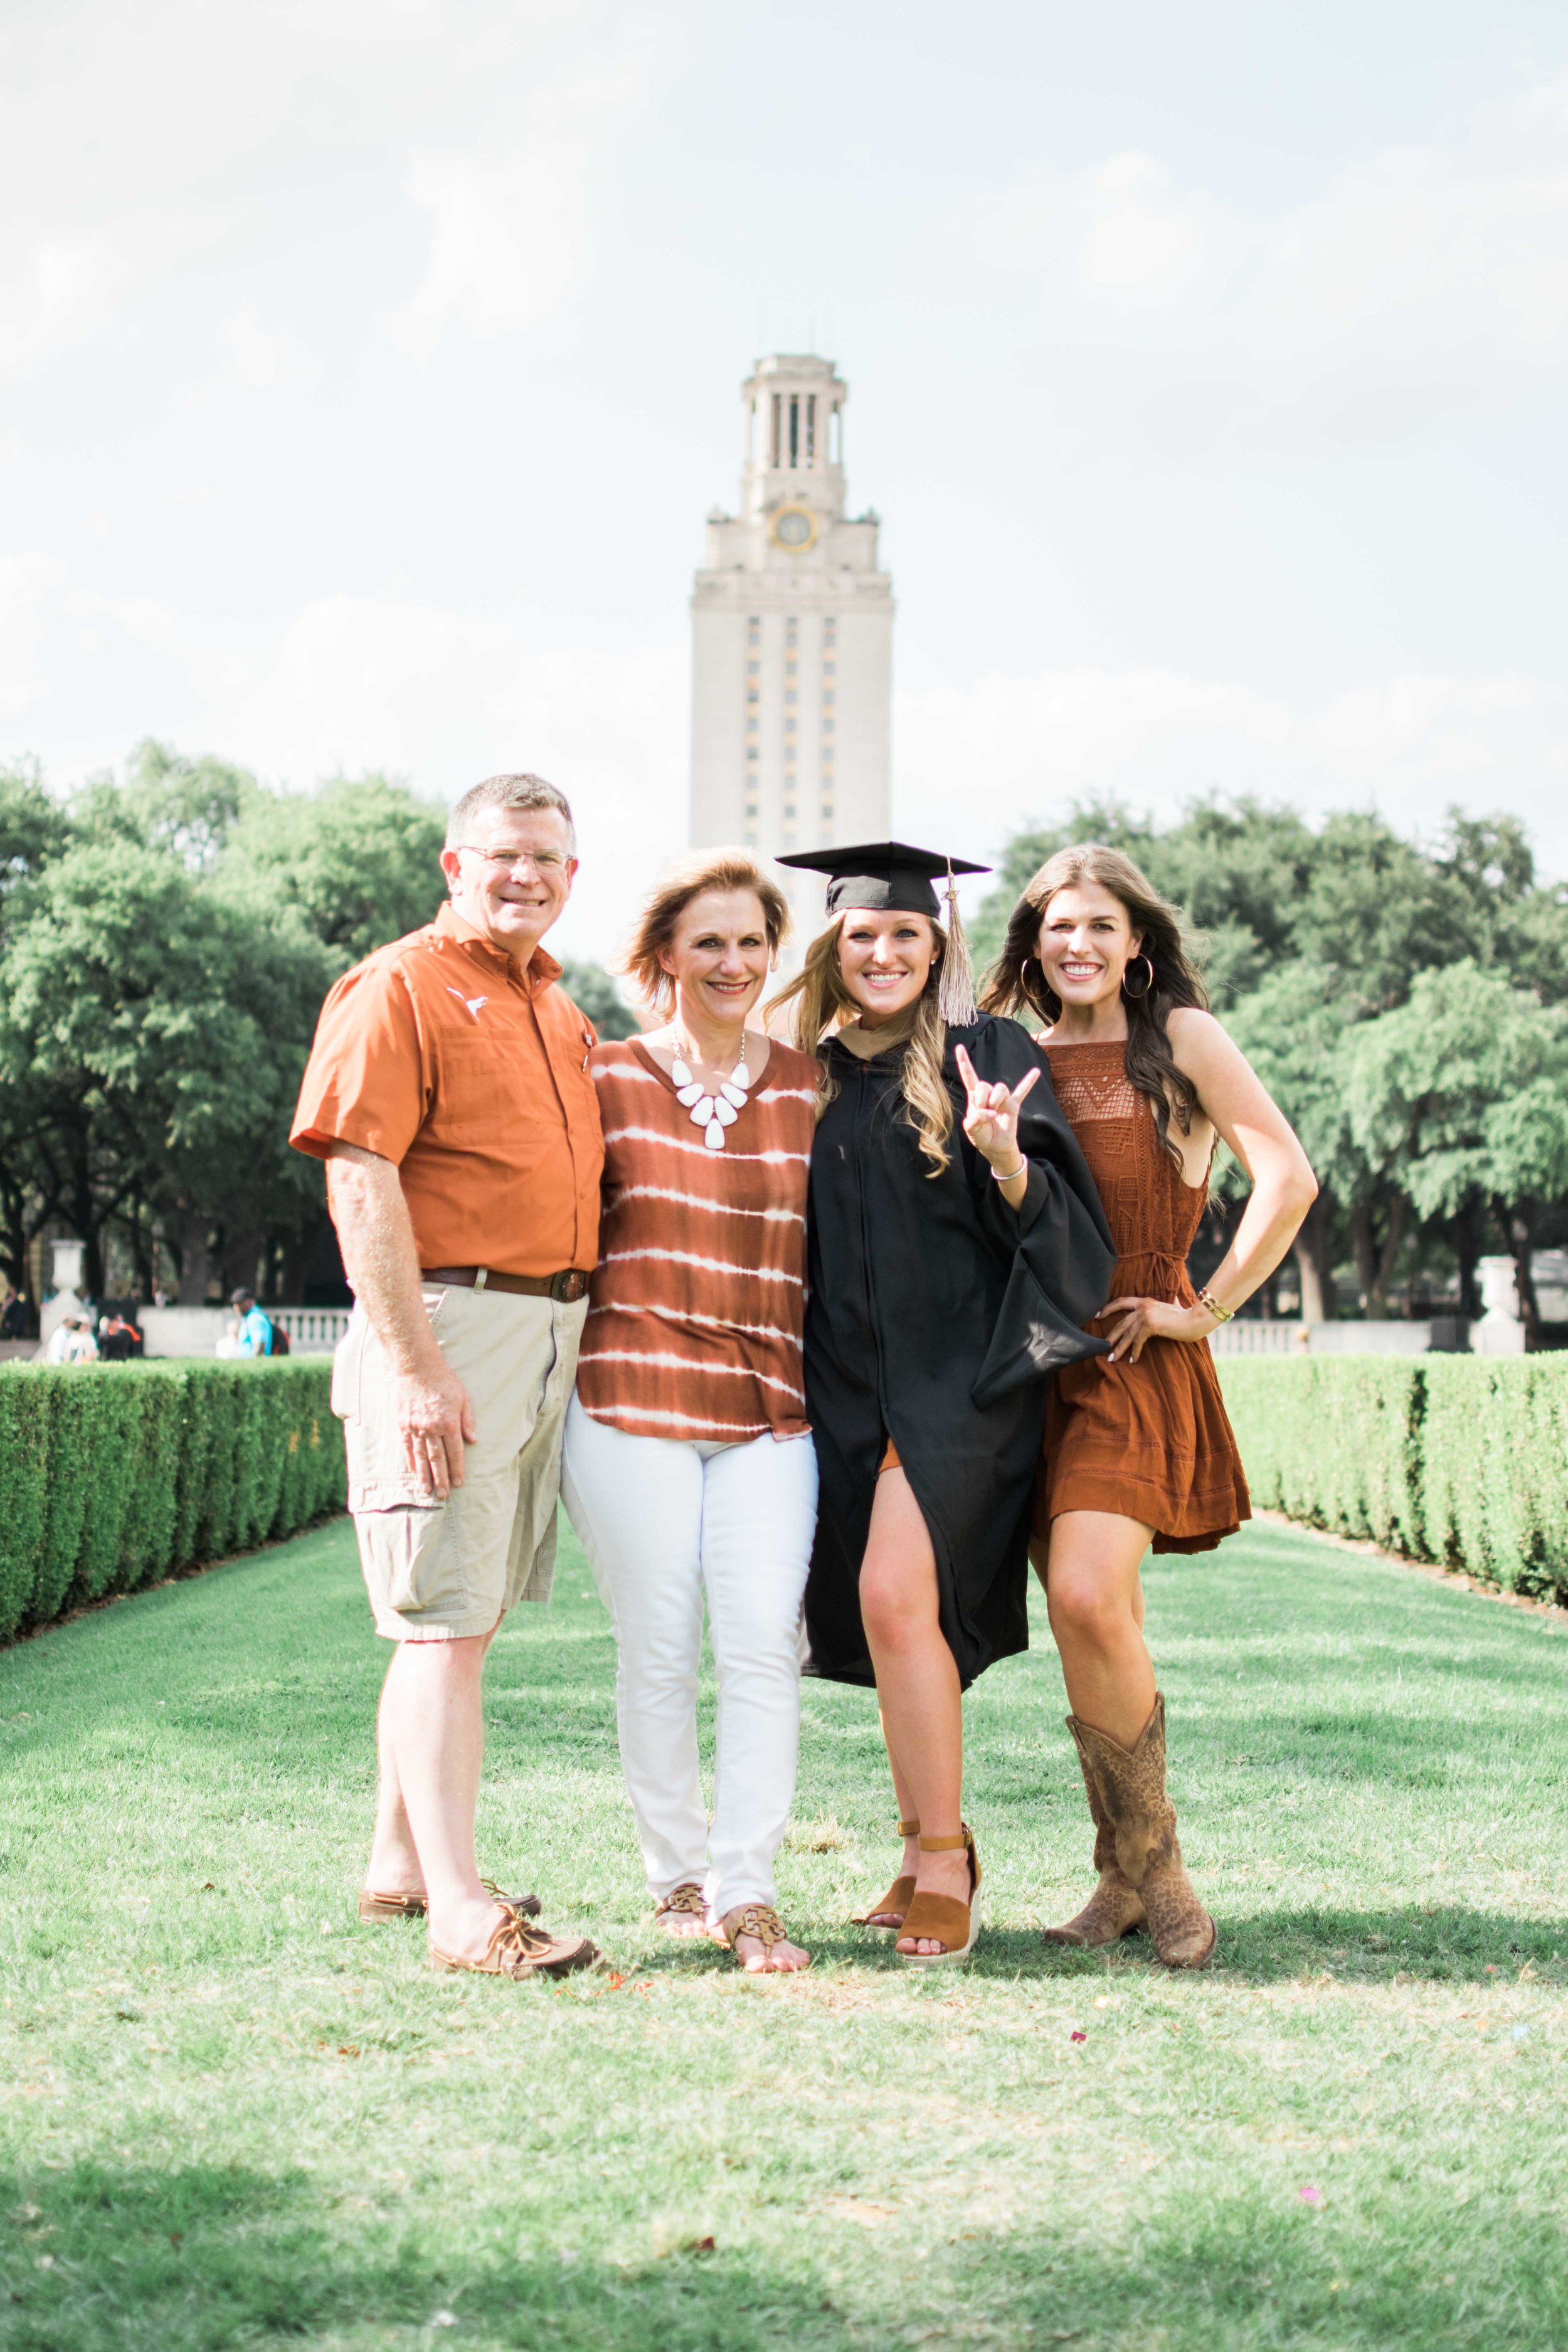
471	1076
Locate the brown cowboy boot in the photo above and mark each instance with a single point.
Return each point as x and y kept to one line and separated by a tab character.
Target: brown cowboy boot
1131	1785
1115	1907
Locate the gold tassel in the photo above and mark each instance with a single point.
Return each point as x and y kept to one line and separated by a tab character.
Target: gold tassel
956	988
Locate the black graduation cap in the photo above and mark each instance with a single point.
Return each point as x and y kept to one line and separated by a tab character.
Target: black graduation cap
882	876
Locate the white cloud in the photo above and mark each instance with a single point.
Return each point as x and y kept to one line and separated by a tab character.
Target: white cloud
975	763
1420	282
511	234
257	359
57	285
194	109
27	582
445	698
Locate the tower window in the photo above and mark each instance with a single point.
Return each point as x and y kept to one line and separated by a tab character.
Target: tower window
778	429
811	428
795	428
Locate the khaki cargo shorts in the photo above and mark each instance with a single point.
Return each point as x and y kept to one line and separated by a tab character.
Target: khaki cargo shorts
441	1571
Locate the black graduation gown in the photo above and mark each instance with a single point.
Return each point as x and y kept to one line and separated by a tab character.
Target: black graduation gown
935	1316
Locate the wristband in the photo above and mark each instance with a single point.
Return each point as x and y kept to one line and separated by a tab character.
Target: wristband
1021	1170
1211	1306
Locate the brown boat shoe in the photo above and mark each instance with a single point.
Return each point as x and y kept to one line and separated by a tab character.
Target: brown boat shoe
519	1951
414	1907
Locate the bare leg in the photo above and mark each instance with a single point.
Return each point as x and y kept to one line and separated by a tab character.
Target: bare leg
1095	1597
394	1865
910	1865
433	1715
917	1683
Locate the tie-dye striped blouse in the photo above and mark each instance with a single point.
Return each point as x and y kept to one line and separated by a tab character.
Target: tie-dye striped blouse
694	1320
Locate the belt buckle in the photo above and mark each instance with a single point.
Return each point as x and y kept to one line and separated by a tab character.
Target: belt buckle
568	1286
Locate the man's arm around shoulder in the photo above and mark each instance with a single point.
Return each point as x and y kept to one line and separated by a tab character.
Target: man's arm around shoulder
376	1236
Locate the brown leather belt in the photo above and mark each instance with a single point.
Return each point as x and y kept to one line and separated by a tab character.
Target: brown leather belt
567	1288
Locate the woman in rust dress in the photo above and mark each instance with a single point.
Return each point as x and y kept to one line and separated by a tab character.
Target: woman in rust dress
1138	1448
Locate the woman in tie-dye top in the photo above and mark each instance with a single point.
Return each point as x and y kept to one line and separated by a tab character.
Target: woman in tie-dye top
689	1467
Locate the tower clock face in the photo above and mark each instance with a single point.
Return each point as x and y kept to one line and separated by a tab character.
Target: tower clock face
795	528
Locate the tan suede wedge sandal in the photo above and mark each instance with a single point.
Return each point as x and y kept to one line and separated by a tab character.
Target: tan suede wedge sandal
761	1920
413	1906
1115	1908
898	1898
942	1918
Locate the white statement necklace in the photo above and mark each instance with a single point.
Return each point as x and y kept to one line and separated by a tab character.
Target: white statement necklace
712	1113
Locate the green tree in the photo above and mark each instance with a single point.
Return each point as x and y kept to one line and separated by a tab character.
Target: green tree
161	1033
358	860
592	991
1465	1088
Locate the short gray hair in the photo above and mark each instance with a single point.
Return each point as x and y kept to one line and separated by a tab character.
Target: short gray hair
513	793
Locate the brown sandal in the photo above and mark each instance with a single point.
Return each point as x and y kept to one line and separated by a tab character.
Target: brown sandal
414	1907
760	1919
686	1901
518	1950
943	1917
897	1897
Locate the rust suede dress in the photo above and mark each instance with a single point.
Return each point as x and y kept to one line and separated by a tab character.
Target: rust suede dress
1150	1441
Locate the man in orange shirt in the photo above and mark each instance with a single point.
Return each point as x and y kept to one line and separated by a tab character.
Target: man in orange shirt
447	1091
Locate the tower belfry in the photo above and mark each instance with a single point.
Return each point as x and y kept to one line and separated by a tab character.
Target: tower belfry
791	628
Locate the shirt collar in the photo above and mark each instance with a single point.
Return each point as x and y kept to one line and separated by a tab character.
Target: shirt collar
541	968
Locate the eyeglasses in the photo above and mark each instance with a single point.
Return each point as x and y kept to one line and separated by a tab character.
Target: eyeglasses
543	861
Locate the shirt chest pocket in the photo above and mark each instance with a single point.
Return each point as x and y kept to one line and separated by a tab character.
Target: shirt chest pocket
487	1094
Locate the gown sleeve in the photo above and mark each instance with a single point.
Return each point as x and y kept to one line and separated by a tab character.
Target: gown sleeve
1060	1244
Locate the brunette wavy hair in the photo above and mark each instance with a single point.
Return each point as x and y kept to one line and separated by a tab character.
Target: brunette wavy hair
687	878
1017	982
821	1003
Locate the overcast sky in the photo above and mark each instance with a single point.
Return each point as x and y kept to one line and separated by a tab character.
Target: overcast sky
367	368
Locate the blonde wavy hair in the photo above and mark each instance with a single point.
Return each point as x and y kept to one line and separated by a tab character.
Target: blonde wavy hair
687	878
822	1005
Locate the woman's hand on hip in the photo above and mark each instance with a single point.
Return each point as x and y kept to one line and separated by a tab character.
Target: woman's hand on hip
990	1115
1131	1322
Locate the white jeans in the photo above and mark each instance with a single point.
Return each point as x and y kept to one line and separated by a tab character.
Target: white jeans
662	1522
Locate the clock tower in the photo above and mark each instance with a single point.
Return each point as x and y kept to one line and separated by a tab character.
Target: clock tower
792	627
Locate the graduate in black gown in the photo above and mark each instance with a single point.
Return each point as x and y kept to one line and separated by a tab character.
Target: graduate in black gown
956	1247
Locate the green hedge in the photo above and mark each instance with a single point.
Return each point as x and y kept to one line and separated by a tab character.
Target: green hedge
1461	1460
114	1475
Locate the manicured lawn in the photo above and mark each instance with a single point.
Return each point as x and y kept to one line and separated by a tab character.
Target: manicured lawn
235	2117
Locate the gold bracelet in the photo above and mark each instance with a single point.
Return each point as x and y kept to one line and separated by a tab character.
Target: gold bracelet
1221	1314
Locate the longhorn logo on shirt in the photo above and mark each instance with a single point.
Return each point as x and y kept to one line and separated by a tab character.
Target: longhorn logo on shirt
473	1003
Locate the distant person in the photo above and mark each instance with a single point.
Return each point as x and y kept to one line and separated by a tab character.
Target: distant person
689	1471
1138	1447
449	1093
118	1339
13	1316
259	1335
72	1342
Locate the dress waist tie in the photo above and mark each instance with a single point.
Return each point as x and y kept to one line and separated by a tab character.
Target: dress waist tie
1154	1273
